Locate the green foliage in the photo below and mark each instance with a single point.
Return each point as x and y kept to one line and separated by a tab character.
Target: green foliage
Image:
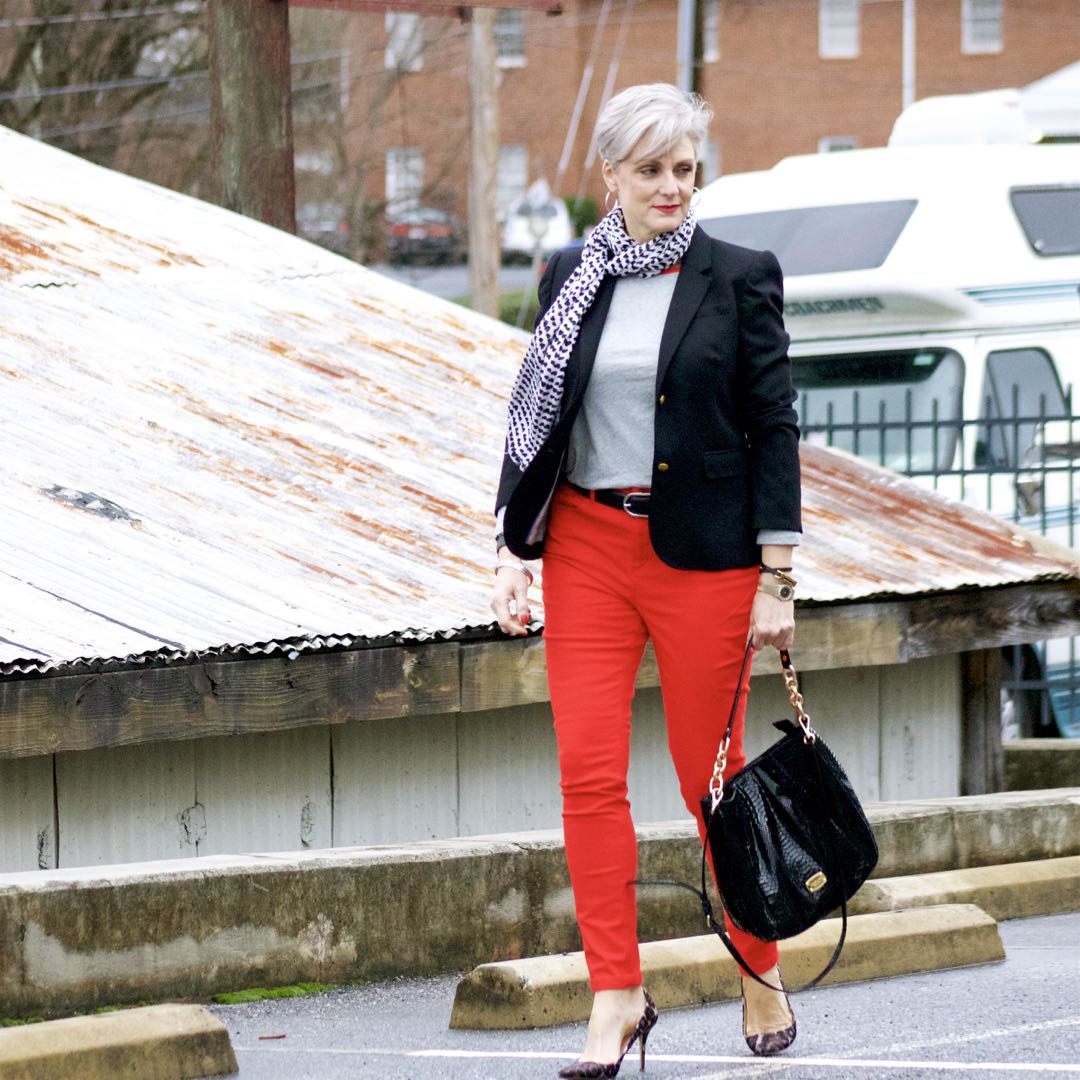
583	212
261	993
510	305
11	1021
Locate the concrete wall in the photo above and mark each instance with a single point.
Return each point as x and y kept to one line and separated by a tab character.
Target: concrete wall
1032	764
896	729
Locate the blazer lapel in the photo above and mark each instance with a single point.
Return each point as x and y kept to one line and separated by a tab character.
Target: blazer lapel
690	290
580	364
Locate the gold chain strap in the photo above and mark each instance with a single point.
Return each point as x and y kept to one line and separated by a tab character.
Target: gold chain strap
716	783
796	699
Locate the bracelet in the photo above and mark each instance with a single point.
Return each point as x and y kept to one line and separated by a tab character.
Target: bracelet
515	566
780	573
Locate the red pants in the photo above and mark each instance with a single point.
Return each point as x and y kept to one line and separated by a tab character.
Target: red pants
606	592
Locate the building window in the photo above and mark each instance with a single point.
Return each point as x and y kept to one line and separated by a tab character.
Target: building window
510	38
981	26
710	32
838	29
404	42
829	143
513	177
404	178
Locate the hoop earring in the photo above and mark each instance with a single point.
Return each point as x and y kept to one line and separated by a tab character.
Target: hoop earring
695	198
607	201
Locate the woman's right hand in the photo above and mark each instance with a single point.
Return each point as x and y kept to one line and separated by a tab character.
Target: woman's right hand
510	600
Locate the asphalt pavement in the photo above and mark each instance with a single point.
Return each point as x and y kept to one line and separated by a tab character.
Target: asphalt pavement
452	282
1014	1019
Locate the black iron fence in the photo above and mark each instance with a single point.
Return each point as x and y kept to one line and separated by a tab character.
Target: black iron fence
1024	467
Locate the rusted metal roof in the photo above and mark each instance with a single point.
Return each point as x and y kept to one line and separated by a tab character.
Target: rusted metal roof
870	532
221	439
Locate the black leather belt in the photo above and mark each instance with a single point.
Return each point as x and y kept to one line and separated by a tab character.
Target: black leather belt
635	503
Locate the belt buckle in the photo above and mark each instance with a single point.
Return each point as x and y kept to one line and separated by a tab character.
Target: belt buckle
636	495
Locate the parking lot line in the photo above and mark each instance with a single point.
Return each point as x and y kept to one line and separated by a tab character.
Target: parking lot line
881	1065
977	1036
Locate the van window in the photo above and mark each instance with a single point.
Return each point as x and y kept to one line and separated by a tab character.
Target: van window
1050	218
901	409
819	239
1020	389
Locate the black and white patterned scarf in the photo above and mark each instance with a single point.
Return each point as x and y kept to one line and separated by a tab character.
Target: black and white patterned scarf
537	392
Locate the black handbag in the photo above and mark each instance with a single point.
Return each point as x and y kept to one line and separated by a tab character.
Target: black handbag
788	837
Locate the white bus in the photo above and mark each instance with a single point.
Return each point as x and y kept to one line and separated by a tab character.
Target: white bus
933	299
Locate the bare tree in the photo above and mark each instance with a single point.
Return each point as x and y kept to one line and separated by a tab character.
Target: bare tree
345	99
119	82
125	83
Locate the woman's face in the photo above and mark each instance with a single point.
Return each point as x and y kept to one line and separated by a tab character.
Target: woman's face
653	191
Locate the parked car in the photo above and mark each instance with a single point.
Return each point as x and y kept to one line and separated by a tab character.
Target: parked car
518	239
325	224
424	234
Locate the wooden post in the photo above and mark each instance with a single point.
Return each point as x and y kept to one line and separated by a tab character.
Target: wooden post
251	109
982	761
483	164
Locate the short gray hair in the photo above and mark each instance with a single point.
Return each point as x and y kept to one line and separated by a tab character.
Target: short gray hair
659	112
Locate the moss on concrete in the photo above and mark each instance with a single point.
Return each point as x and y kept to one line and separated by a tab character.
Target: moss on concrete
262	993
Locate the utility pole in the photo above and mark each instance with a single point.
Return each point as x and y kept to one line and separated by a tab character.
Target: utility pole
908	96
251	109
684	50
483	164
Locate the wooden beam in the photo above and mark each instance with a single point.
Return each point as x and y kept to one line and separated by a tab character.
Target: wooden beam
982	760
251	109
500	674
989	618
225	697
45	715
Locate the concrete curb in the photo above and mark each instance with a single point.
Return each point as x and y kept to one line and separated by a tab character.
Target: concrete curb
1011	891
548	990
188	928
1035	764
161	1042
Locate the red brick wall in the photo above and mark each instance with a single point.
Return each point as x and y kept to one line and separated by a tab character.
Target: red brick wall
772	93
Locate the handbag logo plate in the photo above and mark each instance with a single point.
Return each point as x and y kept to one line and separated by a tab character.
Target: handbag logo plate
816	882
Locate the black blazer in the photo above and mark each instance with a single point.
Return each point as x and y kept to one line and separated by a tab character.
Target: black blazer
726	460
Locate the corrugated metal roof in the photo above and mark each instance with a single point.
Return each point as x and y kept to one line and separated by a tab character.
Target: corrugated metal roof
220	438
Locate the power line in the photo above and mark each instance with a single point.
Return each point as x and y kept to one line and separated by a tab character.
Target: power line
182	7
171	114
128	84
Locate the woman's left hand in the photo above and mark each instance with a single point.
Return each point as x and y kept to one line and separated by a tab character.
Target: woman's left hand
772	622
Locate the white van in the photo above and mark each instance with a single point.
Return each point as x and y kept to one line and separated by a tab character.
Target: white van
933	299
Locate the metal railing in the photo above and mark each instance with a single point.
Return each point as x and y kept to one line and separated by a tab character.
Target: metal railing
1021	466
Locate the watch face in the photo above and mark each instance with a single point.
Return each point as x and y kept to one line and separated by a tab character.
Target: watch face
785	592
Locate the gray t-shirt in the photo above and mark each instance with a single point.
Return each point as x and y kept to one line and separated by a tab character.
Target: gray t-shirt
611	444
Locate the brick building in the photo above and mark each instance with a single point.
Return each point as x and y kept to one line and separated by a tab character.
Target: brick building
785	77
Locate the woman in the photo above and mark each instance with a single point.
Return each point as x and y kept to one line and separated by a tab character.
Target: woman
652	459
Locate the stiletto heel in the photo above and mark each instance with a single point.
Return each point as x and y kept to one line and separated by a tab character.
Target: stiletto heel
768	1043
595	1070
